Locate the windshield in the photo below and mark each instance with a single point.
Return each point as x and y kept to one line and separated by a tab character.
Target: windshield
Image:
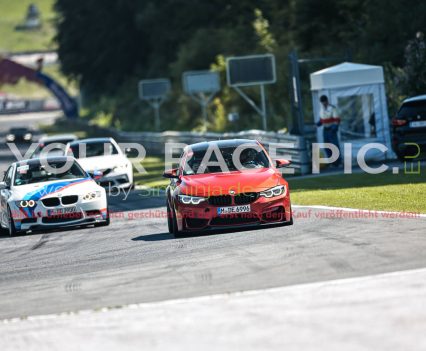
251	157
38	173
18	130
93	149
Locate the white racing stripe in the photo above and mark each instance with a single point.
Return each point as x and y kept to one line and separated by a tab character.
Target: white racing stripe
380	312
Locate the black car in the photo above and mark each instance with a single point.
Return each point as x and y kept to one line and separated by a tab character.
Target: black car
409	128
19	135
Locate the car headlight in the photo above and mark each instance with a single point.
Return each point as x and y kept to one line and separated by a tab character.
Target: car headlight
10	137
275	191
92	196
121	168
26	203
191	200
28	136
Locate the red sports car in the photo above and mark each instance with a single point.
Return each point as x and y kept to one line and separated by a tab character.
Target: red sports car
226	184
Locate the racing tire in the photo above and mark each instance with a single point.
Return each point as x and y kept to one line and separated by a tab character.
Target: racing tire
290	222
3	231
12	228
169	219
175	231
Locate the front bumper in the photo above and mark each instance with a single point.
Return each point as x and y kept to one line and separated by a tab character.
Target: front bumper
121	181
205	216
41	217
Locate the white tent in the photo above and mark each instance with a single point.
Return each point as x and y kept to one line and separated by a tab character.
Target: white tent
358	92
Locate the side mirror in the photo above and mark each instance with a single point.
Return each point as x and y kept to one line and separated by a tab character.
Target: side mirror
171	174
282	163
97	175
3	186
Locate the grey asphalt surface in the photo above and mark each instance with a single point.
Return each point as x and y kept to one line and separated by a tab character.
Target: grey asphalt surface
135	259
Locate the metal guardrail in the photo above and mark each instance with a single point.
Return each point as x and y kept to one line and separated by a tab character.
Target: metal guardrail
286	146
295	148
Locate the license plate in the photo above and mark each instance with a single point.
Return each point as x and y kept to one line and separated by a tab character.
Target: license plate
233	209
418	124
62	211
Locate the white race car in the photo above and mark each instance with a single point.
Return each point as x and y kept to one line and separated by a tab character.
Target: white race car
106	156
48	193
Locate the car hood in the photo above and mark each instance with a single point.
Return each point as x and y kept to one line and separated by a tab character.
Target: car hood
40	190
223	183
101	163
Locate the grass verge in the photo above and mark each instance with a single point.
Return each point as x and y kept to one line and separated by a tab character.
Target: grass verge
385	191
13	13
153	178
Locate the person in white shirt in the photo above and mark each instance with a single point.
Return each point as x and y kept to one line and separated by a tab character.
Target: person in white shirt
330	122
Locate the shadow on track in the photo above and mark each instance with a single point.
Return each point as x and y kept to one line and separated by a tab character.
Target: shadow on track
154	237
133	202
40	232
168	236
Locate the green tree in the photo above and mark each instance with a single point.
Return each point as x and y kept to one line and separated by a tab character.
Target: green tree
414	71
108	45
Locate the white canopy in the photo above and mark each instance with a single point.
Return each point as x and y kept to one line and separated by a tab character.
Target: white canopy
358	92
346	74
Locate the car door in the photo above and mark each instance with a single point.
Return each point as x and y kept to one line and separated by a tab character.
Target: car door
5	195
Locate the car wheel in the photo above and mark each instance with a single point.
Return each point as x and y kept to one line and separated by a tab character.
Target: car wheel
175	231
3	231
169	219
12	228
290	222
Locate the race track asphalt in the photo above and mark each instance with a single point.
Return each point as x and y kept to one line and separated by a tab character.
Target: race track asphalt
135	259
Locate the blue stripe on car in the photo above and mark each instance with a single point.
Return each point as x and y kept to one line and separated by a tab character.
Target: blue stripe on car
49	189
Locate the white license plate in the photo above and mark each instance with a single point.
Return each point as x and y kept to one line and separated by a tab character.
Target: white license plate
418	124
62	211
233	209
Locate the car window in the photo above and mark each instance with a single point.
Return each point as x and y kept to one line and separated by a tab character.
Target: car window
94	149
18	130
43	144
37	172
250	158
8	176
58	150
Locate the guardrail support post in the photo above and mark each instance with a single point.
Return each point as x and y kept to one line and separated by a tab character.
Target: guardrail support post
263	102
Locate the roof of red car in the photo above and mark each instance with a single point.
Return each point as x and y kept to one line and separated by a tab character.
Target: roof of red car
221	144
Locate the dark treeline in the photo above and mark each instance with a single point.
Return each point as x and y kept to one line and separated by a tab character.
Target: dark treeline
108	45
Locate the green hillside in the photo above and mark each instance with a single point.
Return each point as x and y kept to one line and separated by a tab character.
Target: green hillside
12	13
